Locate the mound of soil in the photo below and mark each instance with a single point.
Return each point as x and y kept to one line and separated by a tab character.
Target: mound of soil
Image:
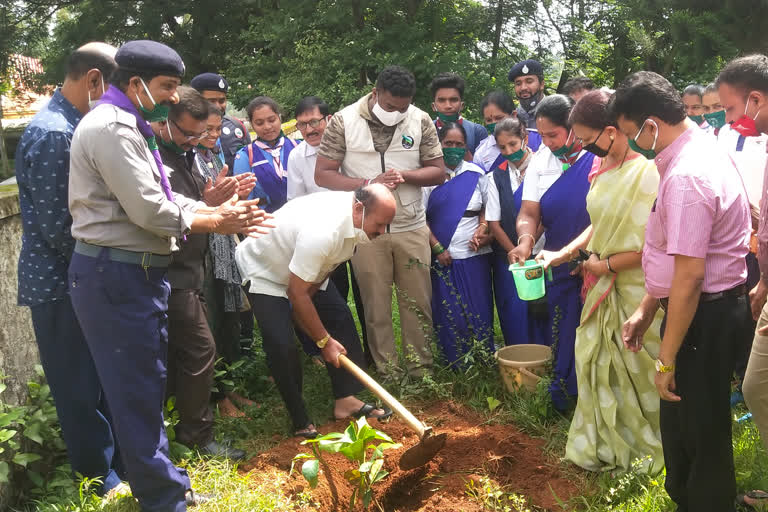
512	459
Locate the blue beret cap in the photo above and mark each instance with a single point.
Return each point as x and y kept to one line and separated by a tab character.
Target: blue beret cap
149	57
525	67
209	82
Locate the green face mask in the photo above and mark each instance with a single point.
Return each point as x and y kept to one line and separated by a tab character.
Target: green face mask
697	119
516	156
490	128
171	145
453	156
158	112
716	119
447	118
650	154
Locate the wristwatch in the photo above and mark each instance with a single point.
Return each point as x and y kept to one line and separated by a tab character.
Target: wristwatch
662	368
323	342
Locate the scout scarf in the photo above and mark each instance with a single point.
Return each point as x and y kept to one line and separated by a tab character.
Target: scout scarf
116	97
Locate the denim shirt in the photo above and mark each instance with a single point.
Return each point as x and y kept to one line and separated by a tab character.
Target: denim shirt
42	172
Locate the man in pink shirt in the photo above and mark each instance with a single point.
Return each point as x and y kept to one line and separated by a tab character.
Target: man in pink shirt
696	240
743	87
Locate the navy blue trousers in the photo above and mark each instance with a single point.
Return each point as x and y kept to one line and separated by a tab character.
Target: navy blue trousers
76	390
122	310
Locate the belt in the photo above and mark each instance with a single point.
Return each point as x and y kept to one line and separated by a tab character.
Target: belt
471	213
738	291
145	259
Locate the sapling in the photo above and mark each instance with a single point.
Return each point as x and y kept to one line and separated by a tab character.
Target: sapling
354	443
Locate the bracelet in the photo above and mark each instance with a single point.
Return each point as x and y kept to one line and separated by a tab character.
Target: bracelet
608	262
323	342
525	234
487	229
438	249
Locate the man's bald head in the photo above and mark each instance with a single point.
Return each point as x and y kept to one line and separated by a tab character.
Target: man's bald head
374	209
94	55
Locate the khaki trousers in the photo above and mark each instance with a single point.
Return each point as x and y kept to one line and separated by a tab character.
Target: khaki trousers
755	387
401	259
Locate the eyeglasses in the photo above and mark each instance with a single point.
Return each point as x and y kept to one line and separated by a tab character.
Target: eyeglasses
314	123
584	143
190	137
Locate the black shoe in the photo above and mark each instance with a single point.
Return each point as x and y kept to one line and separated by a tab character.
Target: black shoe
215	449
194	499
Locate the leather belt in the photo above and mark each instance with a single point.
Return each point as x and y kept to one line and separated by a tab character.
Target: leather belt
738	291
471	213
144	259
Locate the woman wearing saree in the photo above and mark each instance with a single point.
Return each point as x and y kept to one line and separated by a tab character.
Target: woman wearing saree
267	156
617	415
554	197
462	304
519	322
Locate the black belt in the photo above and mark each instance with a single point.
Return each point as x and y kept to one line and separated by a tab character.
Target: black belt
738	291
471	213
144	259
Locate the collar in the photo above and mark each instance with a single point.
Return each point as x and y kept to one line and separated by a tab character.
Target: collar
364	111
669	153
309	149
69	110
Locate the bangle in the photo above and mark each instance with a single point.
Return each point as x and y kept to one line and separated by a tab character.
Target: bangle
487	229
438	249
608	263
525	234
323	342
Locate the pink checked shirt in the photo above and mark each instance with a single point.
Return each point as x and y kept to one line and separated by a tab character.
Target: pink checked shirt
701	211
762	231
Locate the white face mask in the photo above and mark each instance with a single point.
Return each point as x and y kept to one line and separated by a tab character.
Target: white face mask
360	235
92	103
388	118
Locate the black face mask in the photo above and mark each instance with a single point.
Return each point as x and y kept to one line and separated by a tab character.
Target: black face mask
529	104
596	150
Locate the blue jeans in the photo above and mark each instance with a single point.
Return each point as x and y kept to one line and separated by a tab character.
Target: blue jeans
76	389
122	310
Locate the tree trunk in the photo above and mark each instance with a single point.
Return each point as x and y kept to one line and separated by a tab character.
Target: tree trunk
499	22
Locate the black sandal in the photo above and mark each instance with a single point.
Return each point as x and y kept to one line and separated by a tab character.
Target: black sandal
367	411
308	432
755	495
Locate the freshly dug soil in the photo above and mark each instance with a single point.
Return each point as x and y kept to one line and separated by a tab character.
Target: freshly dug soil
510	458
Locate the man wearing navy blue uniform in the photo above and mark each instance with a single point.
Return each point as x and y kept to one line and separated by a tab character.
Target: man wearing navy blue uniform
448	101
234	135
528	78
126	221
42	172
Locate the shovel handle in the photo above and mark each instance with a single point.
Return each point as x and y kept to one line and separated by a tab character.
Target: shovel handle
383	394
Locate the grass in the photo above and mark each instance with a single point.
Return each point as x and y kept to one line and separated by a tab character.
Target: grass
531	412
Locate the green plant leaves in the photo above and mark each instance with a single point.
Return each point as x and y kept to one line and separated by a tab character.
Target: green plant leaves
310	469
493	403
22	459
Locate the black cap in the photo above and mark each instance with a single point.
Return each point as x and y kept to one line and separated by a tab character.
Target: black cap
525	67
149	57
209	82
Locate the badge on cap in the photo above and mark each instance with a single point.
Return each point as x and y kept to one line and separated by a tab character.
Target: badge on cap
525	69
221	84
226	130
238	133
407	141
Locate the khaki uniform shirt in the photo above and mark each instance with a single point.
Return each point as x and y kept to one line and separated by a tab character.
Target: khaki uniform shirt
115	196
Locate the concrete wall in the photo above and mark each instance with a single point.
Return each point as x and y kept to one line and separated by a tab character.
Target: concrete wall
18	350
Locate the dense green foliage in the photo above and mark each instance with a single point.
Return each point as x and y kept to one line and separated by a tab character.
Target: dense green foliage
335	48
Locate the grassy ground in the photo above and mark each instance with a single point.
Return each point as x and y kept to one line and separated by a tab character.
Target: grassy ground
531	412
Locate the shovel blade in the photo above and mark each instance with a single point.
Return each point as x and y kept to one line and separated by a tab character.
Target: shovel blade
422	452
